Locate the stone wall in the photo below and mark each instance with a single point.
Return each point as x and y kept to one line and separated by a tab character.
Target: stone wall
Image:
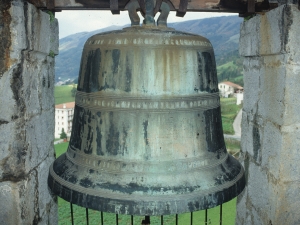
271	118
28	43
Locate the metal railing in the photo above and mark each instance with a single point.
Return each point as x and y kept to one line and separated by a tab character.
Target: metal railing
134	220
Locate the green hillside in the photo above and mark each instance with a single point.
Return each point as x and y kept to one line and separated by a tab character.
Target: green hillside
230	68
63	94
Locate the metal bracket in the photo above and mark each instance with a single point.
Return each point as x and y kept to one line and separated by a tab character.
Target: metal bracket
133	6
162	19
134	17
149	16
182	8
142	7
157	6
114	6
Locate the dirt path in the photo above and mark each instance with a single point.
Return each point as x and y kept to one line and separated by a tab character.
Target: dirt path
237	124
236	127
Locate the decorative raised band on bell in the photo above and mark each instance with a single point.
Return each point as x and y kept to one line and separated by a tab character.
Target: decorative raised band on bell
147	133
101	102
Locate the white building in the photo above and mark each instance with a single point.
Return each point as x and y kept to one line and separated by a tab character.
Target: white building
227	88
239	98
63	118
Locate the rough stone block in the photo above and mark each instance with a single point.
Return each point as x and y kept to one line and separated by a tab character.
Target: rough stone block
5	138
292	92
18	31
19	207
257	204
288	198
47	208
251	136
241	215
47	95
38	82
289	164
271	33
38	32
39	138
9	206
6	98
14	150
54	37
291	18
254	218
33	67
249	37
271	147
252	72
26	142
264	35
272	83
257	187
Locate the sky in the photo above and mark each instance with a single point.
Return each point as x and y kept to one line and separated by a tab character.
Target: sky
72	21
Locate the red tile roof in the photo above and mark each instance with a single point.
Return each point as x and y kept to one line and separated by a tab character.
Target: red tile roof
67	105
232	84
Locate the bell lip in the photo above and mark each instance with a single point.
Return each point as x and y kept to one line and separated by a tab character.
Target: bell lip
141	208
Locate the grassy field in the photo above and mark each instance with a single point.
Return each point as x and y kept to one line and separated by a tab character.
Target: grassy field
229	110
229	210
232	146
62	94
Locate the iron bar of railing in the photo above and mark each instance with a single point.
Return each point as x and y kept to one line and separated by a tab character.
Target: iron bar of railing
87	216
221	214
147	218
72	218
101	215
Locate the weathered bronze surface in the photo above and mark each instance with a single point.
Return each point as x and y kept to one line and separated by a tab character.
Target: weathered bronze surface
147	133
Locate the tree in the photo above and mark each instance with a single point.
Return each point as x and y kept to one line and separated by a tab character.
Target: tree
63	135
73	91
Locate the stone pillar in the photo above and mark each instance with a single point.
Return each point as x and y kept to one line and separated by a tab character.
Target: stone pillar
270	46
28	44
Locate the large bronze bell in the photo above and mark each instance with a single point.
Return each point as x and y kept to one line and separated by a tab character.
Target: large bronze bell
147	133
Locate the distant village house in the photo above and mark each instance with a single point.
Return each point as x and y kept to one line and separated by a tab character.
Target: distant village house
63	118
227	89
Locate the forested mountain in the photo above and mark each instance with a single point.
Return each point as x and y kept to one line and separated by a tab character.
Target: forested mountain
223	32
